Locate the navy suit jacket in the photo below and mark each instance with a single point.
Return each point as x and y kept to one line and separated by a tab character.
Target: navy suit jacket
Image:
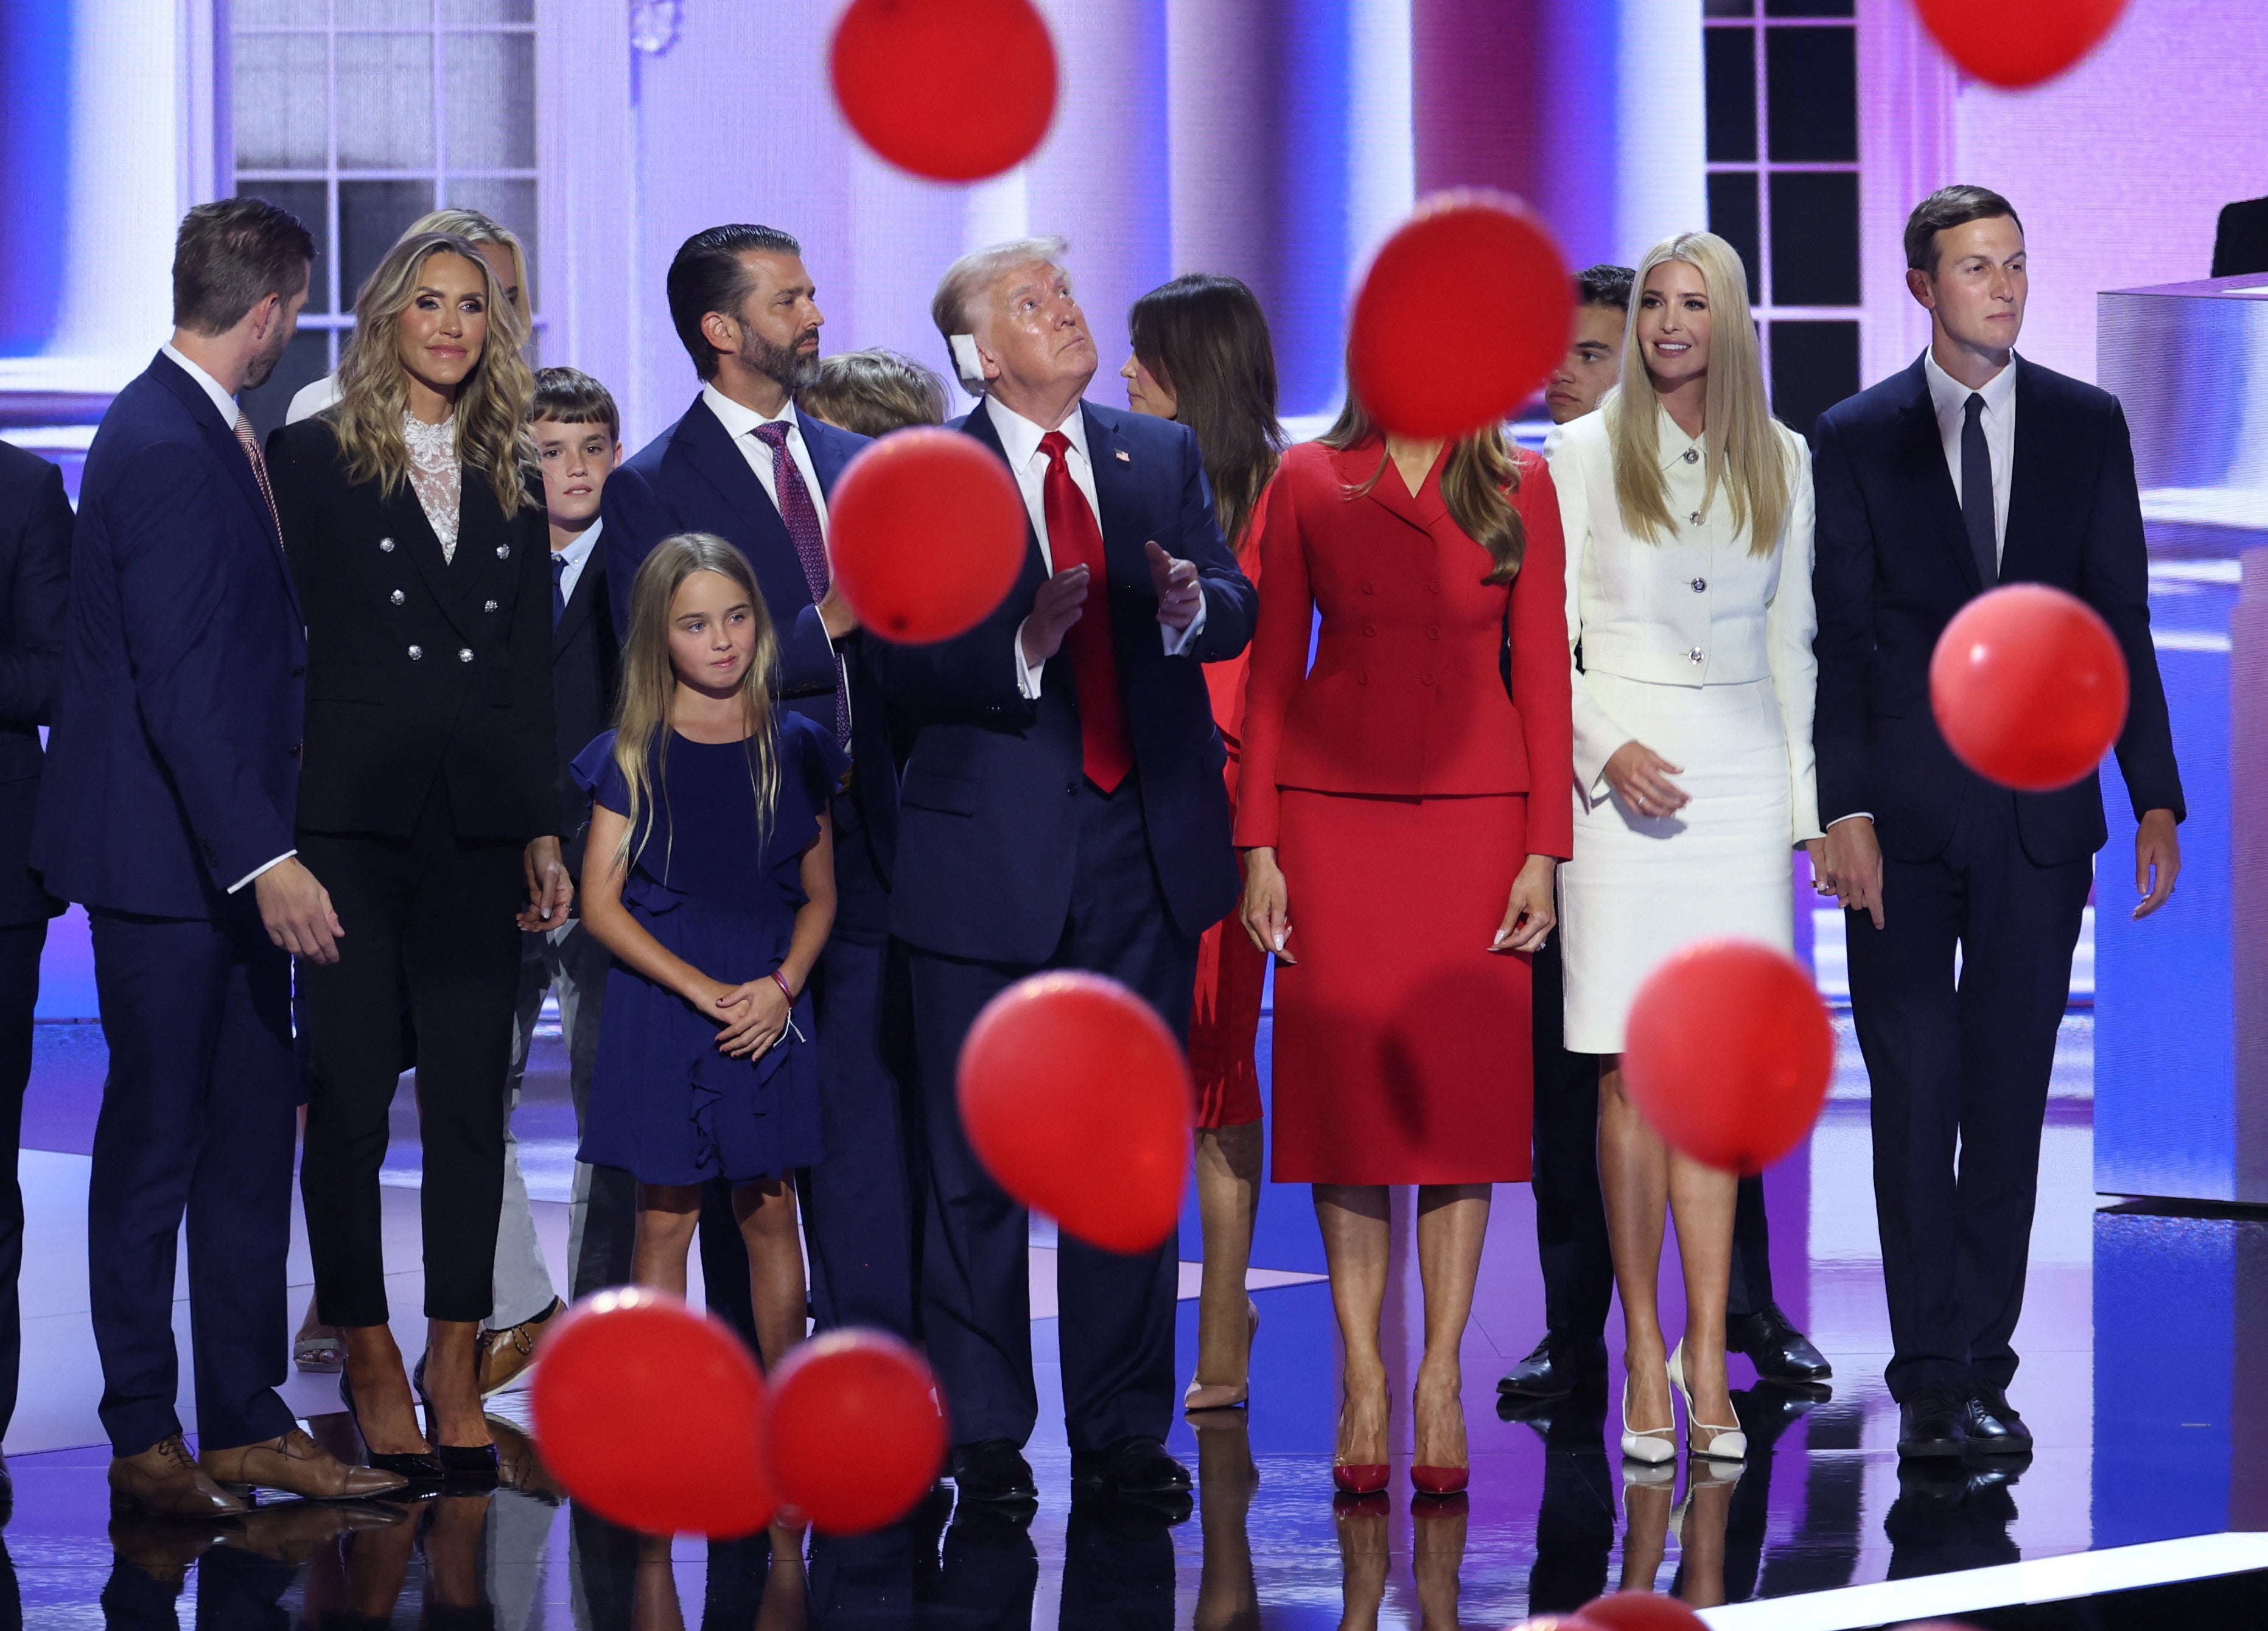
986	843
1893	566
691	479
36	536
172	764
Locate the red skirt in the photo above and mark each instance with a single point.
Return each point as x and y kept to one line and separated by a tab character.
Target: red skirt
1224	1022
1403	1043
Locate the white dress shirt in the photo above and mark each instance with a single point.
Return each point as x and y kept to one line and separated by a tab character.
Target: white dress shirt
740	424
228	409
1020	440
1950	397
575	554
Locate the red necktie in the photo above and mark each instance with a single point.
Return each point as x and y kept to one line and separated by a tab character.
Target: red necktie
801	517
1074	539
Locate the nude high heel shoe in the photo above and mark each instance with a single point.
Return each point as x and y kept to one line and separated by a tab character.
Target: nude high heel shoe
1203	1396
1655	1446
1725	1444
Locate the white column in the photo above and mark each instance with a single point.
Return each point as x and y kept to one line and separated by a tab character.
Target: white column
1660	183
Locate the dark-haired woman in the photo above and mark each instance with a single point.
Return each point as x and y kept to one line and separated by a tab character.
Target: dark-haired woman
1201	354
1401	818
429	806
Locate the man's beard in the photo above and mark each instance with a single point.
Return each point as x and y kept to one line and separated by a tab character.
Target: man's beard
785	365
263	365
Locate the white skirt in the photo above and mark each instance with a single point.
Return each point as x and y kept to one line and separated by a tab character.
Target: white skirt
1641	887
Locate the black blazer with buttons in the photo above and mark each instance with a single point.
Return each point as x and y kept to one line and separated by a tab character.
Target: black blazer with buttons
418	666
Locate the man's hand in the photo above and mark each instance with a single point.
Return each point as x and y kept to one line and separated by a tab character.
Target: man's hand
550	890
2157	860
1854	864
1054	610
296	911
1176	583
835	613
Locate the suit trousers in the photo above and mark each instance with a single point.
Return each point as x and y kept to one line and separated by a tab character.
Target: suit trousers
1570	1214
435	912
20	945
1959	1074
196	1127
1116	1313
602	1207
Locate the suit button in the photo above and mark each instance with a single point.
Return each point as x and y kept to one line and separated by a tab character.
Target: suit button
488	605
1426	678
416	652
1694	655
292	750
1368	588
1362	680
464	654
386	545
397	597
1700	586
1692	455
1433	634
1433	585
1370	630
1071	788
1695	517
503	552
297	669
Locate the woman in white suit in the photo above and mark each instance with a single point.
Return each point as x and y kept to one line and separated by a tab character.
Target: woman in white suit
1688	512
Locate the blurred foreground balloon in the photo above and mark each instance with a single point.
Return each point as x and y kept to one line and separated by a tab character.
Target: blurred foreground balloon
2029	686
953	90
652	1416
856	1436
1465	310
1077	1100
926	535
2015	43
1728	1052
1640	1610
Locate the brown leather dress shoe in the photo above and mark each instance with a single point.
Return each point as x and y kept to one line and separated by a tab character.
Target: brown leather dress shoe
505	1355
298	1466
164	1481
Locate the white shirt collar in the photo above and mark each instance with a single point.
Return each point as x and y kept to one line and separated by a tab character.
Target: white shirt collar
1950	397
579	551
738	419
1019	437
211	387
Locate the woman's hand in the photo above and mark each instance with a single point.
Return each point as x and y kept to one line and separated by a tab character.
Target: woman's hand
755	1017
1266	913
1822	876
1641	778
1531	913
549	889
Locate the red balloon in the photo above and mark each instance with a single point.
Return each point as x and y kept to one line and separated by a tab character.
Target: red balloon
2015	43
1077	1100
1465	309
856	1436
653	1415
1641	1611
1728	1052
927	533
2029	686
953	90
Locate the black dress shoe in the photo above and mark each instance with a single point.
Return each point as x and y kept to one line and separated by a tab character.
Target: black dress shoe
1135	1465
1931	1424
1994	1426
1779	1352
1555	1369
993	1469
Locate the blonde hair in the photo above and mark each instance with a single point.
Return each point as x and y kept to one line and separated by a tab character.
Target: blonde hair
954	307
491	405
648	685
476	228
1745	454
873	393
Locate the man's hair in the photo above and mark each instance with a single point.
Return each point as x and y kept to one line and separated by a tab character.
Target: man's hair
567	396
1605	285
874	393
707	276
1950	207
230	256
954	307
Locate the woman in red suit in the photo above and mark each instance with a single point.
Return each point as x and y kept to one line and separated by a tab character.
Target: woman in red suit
1401	818
1200	354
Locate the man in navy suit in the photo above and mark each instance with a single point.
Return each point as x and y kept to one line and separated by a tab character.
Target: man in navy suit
166	809
1060	808
744	465
1972	468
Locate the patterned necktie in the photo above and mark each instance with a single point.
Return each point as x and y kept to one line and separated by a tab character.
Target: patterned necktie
559	589
803	530
250	443
1977	491
1074	539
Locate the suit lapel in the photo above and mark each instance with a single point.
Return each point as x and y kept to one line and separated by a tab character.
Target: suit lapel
701	438
1359	465
979	425
1117	495
578	603
1921	458
829	453
447	579
221	440
2030	482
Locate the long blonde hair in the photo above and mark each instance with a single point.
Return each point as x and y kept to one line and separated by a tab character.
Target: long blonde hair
648	685
491	406
1476	484
1745	454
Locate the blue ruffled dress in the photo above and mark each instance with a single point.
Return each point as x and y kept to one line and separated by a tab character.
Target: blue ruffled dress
665	1104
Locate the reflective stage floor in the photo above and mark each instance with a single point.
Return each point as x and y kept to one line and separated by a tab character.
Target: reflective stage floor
2143	1339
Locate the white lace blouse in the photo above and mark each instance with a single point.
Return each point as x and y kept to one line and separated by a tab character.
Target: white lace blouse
436	474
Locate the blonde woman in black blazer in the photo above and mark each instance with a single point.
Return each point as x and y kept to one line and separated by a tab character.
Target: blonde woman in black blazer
428	803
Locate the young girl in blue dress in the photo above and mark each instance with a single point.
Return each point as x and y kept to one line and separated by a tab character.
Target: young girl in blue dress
710	875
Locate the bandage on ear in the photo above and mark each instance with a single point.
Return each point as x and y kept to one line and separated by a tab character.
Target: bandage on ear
965	357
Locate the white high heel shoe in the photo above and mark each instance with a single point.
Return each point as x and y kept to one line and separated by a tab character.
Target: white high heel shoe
1725	1444
1655	1446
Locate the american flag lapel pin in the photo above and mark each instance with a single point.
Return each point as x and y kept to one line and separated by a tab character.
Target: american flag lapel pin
1125	457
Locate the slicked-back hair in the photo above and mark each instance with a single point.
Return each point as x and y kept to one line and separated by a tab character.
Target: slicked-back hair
1605	285
230	256
1946	208
567	396
707	276
873	393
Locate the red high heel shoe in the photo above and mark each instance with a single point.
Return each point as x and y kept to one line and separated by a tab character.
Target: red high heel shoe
1440	1481
1361	1479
